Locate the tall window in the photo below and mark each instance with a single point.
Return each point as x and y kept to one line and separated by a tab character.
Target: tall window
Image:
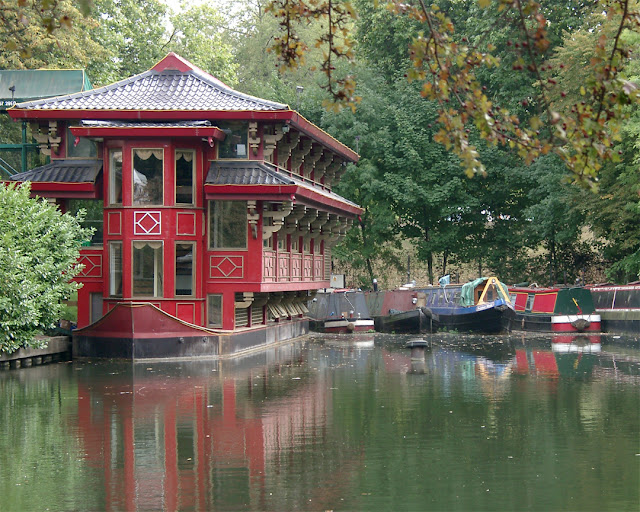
185	166
228	224
234	144
115	176
147	176
95	306
214	310
147	269
115	269
185	252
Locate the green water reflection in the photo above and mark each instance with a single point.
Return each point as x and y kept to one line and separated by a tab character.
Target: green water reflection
331	423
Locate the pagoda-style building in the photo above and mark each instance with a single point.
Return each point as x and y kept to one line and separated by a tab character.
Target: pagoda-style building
214	211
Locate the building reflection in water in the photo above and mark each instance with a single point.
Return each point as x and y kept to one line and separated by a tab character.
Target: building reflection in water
169	435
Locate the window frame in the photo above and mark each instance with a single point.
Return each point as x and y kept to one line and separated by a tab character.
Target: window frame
209	322
210	214
70	146
112	245
155	295
193	268
193	176
112	175
226	127
133	192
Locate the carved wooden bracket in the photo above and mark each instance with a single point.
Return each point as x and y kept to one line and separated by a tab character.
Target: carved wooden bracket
339	231
328	229
322	164
312	159
247	300
277	217
340	171
254	140
253	216
299	153
285	146
323	218
305	223
48	141
271	141
331	171
292	221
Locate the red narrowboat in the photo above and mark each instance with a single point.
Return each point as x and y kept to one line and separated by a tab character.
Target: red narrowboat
554	309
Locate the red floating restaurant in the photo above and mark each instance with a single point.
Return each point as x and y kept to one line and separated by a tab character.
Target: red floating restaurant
213	210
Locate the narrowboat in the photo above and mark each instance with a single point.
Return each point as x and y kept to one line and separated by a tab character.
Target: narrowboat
340	312
554	309
481	306
618	306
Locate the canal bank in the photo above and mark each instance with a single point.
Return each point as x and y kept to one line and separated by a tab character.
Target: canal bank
58	349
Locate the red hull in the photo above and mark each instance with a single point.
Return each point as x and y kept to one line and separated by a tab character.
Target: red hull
141	320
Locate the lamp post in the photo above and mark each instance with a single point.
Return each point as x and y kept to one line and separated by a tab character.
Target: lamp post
299	91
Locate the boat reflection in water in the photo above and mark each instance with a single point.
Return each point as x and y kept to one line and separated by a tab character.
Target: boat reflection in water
568	356
577	344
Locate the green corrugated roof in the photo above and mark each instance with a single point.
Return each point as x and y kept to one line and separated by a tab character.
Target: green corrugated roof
32	84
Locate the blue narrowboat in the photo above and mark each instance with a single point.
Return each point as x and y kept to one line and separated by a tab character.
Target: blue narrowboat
481	306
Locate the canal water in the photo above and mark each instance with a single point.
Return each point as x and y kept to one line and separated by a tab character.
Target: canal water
332	423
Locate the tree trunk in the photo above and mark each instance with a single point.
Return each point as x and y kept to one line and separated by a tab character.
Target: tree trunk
364	244
445	254
370	270
552	258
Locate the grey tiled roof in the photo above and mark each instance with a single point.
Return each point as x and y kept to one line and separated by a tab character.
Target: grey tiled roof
63	171
245	172
165	90
255	172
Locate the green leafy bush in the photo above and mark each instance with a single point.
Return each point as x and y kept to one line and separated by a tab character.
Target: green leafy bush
39	248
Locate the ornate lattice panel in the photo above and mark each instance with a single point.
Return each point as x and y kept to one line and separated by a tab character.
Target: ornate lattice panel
307	268
296	267
269	266
283	267
147	223
226	267
318	267
92	265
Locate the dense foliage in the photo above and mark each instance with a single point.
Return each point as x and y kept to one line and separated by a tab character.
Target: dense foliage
520	216
39	247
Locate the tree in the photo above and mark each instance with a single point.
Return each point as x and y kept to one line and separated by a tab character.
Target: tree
39	248
198	35
134	34
449	68
46	33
